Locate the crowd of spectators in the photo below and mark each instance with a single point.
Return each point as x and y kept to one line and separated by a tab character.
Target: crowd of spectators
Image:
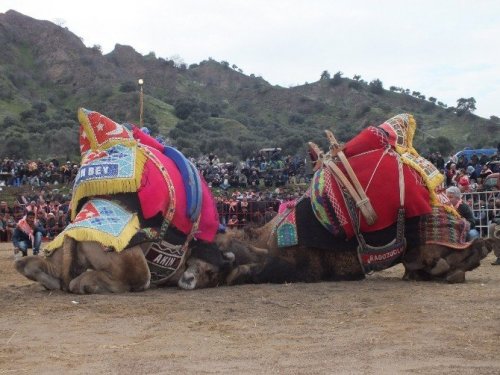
268	168
239	208
467	175
36	173
248	191
50	209
252	190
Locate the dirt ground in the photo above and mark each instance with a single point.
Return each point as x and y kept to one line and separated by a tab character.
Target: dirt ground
381	325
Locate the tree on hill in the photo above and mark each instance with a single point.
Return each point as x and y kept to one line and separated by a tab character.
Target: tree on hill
465	106
337	79
325	75
376	86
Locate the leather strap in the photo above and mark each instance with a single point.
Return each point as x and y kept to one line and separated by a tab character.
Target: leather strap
353	185
318	163
396	246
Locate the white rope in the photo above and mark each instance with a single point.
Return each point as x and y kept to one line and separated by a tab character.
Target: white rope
375	169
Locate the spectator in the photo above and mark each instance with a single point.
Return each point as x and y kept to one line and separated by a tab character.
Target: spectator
22	200
462	181
41	218
496	220
451	172
439	161
52	227
4	208
32	207
270	214
18	211
3	228
62	221
225	182
222	209
254	179
27	235
455	196
242	180
244	208
485	172
10	225
233	222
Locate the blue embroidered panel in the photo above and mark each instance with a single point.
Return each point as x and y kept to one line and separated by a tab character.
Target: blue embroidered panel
116	162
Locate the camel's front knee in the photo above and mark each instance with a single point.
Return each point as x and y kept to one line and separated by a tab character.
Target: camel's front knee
92	281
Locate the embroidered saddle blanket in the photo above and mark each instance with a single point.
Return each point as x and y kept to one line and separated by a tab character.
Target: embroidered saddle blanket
373	155
444	228
113	161
103	221
286	229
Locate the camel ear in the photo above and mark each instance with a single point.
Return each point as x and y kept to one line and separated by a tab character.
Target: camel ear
259	250
494	230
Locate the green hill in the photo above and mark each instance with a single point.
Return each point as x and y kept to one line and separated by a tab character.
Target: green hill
46	73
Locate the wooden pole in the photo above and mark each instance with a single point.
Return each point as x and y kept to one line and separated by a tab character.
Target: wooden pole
141	103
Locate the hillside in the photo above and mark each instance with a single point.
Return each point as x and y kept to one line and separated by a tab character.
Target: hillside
46	73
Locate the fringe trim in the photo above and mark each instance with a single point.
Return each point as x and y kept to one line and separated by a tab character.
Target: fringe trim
431	183
94	188
82	234
412	126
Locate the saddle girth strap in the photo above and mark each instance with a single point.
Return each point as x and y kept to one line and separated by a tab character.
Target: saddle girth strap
353	185
378	258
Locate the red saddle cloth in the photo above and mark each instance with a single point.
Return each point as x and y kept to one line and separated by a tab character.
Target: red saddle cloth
377	172
99	133
155	197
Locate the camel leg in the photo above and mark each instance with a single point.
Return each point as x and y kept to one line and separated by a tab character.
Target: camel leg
456	277
100	282
243	274
110	272
36	269
441	267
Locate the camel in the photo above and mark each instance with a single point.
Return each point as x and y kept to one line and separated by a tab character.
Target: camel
265	262
372	203
141	216
87	267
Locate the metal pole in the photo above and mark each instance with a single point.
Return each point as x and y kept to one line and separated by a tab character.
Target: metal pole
141	102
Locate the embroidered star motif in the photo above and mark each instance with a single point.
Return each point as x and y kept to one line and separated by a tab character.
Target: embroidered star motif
100	127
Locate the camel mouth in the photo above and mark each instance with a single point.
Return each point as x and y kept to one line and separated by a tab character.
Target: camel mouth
187	281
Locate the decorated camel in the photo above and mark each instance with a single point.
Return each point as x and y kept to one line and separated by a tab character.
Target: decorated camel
142	215
372	203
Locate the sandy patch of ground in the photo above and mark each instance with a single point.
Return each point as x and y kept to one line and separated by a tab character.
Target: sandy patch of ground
381	325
